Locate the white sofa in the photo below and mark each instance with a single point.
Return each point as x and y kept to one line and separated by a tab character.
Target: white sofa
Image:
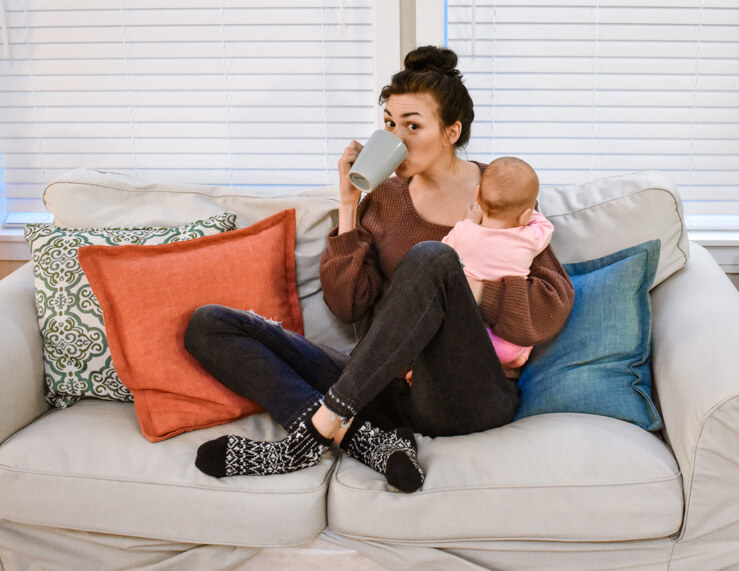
80	488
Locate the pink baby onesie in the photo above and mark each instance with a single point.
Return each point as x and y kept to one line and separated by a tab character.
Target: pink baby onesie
492	253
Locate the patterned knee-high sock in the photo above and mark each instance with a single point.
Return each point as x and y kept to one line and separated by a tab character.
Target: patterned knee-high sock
235	455
390	453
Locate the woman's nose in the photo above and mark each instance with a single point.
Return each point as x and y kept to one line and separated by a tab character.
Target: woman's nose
398	133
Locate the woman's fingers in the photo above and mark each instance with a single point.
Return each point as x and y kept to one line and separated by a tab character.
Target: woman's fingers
351	152
349	193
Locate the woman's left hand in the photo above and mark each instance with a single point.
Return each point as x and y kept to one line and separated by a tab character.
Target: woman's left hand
476	286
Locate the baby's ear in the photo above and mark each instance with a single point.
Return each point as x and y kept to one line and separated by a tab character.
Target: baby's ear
525	217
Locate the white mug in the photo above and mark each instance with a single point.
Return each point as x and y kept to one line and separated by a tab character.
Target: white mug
380	156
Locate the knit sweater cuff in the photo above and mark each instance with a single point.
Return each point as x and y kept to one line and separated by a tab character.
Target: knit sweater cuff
344	244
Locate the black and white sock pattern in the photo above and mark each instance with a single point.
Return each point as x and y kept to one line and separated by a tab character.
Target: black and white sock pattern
390	453
235	455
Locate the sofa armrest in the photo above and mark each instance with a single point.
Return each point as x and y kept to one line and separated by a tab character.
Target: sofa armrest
695	342
21	354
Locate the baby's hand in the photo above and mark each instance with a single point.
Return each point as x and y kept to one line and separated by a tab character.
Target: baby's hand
474	212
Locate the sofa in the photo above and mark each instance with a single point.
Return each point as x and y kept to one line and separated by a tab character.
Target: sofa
81	488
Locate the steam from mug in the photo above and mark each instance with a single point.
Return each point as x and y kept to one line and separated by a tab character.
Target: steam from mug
380	156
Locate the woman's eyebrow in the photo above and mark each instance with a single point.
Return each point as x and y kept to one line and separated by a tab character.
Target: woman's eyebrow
407	114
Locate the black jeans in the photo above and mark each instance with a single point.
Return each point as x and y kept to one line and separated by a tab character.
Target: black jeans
428	317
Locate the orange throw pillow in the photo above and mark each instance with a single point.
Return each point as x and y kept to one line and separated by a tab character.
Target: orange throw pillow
148	294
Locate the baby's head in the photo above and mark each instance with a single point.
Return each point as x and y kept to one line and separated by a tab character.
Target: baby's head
508	191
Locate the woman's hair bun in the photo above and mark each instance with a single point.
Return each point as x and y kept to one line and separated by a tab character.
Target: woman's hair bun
427	58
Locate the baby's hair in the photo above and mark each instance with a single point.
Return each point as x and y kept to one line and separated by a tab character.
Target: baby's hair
516	182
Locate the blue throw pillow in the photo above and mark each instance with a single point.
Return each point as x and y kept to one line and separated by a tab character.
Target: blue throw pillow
600	362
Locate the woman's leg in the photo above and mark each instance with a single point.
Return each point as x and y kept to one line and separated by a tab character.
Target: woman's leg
287	375
429	317
256	358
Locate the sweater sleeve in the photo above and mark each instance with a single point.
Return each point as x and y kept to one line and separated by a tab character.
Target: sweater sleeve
350	273
528	311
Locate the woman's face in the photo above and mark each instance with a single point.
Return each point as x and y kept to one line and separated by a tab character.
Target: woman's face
413	118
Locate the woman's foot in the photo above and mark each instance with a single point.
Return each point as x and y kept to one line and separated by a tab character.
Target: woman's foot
235	455
390	453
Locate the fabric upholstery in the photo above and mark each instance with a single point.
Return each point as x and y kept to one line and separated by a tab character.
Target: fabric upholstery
566	476
86	467
21	354
612	213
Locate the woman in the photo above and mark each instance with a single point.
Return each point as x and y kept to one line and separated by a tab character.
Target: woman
385	261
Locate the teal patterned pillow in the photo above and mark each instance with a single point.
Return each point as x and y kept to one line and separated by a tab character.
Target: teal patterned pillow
77	362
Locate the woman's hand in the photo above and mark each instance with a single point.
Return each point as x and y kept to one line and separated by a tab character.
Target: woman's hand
348	193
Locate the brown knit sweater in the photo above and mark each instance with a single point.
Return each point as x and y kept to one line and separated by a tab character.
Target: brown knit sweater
356	266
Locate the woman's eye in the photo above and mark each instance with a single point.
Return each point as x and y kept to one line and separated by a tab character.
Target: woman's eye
389	123
414	126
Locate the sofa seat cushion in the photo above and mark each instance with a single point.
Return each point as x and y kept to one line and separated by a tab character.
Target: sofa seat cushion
88	468
555	477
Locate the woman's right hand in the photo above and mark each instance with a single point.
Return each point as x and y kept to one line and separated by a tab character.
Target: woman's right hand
348	193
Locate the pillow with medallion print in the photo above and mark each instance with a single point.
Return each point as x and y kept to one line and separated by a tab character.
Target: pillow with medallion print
77	361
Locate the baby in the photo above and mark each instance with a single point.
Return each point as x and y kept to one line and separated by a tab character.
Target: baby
502	235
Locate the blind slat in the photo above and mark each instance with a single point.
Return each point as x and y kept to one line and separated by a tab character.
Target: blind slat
265	98
203	16
244	48
83	5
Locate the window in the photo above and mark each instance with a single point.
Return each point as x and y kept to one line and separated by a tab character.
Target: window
588	88
259	94
265	94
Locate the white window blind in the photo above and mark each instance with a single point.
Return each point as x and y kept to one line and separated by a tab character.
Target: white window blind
590	88
261	94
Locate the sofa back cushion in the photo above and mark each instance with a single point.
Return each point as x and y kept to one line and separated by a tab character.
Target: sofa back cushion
91	198
591	220
610	214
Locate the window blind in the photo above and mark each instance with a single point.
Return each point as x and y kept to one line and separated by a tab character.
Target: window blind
593	88
260	94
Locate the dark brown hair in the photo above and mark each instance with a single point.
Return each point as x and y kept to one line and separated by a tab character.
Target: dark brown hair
432	70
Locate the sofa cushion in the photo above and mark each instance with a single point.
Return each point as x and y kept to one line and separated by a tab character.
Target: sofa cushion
556	477
86	197
612	213
149	293
600	362
87	467
77	362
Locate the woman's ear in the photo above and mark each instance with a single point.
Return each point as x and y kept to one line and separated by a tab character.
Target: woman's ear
453	132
